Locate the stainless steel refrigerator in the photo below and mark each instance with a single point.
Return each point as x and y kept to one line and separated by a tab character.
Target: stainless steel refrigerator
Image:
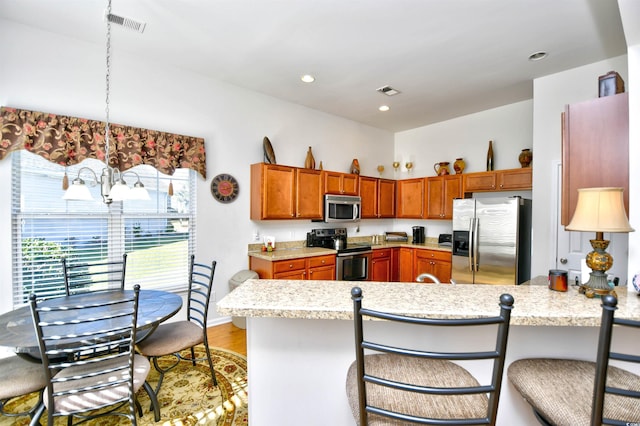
491	240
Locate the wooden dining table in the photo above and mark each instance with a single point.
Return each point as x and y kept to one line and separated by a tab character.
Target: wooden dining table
17	331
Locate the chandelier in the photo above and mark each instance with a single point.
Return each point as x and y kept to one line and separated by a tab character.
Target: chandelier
111	180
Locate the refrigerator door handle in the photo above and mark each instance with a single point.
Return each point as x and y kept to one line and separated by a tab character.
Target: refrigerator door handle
476	224
470	255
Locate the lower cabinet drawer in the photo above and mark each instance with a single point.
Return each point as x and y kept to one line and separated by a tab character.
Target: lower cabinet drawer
288	265
317	261
381	253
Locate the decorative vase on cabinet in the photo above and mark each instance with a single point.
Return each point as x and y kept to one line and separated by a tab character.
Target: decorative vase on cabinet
525	157
310	162
490	157
459	165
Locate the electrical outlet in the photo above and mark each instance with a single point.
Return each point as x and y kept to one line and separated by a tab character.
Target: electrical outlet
256	235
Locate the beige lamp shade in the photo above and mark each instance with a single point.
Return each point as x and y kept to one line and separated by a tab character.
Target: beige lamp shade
600	210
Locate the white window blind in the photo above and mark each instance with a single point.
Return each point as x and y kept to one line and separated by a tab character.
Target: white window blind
158	235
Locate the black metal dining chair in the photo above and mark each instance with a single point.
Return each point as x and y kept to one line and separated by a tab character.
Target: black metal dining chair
88	276
20	377
83	387
394	385
577	392
170	339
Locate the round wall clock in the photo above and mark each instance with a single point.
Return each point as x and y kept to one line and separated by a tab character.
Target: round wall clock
224	188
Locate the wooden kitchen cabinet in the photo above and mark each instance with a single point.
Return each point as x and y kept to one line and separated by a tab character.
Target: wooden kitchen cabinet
386	198
411	198
498	180
381	265
433	262
595	148
369	197
515	179
304	268
378	197
321	267
405	265
441	190
340	183
282	192
395	264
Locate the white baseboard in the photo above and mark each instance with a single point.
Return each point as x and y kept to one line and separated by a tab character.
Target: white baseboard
218	321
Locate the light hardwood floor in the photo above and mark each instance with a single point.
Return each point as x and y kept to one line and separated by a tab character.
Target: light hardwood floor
228	336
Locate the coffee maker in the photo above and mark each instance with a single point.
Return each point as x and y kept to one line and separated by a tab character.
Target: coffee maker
418	235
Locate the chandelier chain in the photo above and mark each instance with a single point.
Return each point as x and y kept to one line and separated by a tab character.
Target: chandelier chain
108	78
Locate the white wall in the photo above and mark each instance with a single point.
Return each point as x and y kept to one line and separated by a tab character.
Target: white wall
630	13
551	94
530	124
47	72
509	127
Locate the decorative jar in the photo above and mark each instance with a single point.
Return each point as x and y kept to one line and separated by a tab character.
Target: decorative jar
459	165
525	157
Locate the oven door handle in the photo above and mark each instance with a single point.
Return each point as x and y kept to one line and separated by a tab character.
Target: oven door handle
353	254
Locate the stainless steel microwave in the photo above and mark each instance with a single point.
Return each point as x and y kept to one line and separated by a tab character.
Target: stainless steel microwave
342	208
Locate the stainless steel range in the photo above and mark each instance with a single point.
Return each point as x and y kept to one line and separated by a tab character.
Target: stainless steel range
353	260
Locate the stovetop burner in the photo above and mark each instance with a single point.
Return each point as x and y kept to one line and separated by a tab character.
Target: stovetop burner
326	238
355	248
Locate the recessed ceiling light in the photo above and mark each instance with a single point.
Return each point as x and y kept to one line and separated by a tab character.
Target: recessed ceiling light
384	108
308	78
537	56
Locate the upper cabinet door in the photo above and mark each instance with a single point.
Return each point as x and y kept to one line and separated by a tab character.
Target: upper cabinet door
369	196
272	192
411	198
595	148
282	192
441	191
309	194
340	183
386	198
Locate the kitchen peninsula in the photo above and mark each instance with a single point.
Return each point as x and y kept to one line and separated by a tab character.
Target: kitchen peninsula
300	337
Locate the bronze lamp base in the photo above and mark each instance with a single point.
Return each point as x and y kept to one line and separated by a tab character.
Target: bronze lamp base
600	262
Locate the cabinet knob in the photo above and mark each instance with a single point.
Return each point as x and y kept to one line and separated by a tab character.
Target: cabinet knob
290	265
563	261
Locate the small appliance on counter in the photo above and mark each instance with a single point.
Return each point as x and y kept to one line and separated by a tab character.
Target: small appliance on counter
397	237
418	235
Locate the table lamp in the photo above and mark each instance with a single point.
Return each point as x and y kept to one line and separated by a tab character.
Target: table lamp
599	210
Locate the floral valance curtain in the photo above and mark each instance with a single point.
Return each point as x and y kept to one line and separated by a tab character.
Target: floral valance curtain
69	140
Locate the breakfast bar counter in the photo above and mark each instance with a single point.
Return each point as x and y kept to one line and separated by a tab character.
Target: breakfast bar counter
300	337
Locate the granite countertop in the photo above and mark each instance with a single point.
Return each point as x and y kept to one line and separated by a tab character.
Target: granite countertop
296	249
534	305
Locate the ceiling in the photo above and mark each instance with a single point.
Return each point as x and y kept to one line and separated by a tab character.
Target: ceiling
447	57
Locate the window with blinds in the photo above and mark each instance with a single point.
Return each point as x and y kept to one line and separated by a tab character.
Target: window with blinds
158	235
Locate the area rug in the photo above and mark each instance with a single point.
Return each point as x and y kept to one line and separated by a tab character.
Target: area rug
187	397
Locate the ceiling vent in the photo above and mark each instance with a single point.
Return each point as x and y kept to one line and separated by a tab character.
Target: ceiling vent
388	90
129	23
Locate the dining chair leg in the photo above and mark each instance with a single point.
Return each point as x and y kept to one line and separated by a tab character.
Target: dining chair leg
35	418
154	401
213	373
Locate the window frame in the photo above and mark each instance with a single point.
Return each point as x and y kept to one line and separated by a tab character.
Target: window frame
120	220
